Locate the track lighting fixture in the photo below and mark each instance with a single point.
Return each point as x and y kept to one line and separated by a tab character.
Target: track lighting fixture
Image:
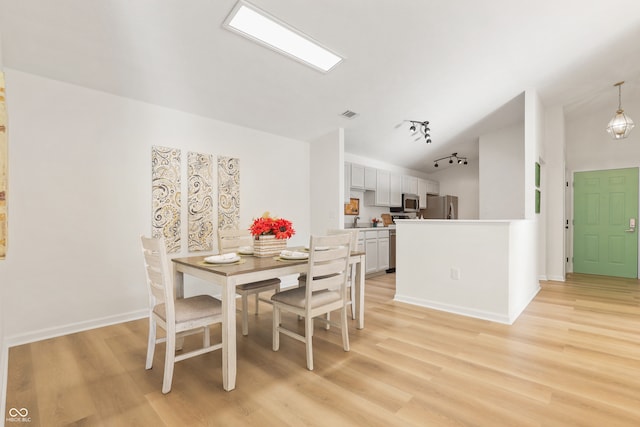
454	156
620	125
422	127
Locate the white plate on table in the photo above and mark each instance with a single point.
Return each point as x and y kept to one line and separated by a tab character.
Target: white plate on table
293	255
318	248
221	259
245	250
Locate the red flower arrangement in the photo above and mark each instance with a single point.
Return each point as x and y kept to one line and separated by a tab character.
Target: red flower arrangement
266	225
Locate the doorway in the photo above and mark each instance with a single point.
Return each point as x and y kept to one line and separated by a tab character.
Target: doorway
605	211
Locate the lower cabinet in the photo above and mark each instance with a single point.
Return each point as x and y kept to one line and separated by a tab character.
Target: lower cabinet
376	246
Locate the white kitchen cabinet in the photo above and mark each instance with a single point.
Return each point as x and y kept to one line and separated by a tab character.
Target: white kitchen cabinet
376	244
347	183
357	177
371	250
379	197
370	175
433	187
383	252
422	192
409	184
395	190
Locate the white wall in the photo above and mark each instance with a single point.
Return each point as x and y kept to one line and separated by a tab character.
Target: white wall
3	302
589	147
461	181
553	195
327	170
501	174
80	195
452	274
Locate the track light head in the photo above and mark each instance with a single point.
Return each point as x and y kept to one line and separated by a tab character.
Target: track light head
459	161
465	162
422	127
450	160
436	165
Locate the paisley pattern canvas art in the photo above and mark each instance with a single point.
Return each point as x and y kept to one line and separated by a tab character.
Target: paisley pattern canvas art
165	177
228	192
200	201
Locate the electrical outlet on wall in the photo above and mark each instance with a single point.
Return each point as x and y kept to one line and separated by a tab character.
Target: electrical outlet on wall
455	273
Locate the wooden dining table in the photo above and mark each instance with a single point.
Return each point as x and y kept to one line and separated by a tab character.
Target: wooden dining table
251	269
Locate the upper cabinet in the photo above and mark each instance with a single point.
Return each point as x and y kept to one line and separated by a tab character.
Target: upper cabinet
357	177
380	196
347	182
362	177
383	188
370	177
433	187
409	184
422	192
395	190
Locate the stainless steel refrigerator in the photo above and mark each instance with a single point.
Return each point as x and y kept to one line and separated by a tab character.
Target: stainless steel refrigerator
441	207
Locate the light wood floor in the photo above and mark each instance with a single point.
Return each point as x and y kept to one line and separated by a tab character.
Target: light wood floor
571	359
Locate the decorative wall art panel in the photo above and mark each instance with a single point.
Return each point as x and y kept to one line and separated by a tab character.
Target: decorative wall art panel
200	201
165	178
4	165
228	193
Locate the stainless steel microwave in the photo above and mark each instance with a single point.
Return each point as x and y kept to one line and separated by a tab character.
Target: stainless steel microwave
410	203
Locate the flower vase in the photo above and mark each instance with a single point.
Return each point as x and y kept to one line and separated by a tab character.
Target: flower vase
267	245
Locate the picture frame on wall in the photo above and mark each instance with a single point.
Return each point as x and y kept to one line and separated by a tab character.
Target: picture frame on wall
353	207
537	175
537	201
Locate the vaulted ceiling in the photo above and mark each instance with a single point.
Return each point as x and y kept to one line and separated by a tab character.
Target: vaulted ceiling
460	64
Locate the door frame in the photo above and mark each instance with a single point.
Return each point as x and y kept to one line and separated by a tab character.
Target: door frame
569	213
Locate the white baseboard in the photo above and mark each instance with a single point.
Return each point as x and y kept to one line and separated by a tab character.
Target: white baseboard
3	381
557	278
478	314
57	331
518	311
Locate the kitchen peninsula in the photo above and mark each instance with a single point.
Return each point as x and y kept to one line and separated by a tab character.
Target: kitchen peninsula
478	268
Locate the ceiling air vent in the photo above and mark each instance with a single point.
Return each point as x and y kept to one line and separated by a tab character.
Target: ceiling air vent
349	114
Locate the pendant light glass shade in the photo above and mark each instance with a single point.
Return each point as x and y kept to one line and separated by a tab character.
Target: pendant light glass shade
620	125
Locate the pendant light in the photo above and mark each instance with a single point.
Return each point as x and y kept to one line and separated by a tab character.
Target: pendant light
620	125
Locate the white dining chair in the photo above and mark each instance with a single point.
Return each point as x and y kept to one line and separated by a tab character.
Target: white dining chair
325	290
352	270
180	317
231	240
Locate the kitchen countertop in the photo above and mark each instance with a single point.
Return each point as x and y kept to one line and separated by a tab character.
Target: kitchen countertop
391	227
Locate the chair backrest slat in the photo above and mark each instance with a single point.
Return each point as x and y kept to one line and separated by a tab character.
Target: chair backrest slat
328	268
159	278
355	233
230	240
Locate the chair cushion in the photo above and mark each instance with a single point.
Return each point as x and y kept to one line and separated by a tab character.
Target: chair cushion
192	308
261	284
296	297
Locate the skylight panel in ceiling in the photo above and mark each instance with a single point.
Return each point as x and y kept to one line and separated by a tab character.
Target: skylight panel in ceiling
257	25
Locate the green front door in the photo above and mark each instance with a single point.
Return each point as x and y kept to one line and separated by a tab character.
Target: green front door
605	209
